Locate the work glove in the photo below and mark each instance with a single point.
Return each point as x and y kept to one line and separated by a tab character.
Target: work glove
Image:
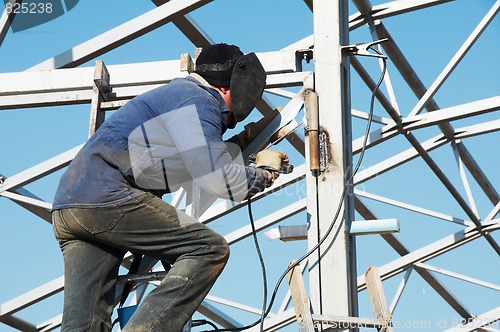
271	161
253	129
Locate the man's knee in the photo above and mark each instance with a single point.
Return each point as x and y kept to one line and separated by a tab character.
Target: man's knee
221	248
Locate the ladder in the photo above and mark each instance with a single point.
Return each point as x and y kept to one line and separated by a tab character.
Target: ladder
307	321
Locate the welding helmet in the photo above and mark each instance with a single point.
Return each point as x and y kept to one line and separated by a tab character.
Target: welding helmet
225	65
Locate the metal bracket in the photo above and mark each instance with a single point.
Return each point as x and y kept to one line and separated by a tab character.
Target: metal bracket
305	54
187	63
362	49
101	91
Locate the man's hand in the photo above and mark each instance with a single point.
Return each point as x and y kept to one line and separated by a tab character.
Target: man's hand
253	129
271	161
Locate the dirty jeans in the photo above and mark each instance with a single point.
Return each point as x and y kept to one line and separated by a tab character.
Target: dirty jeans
93	242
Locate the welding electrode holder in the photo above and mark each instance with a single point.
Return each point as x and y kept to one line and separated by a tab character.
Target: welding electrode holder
285	168
362	49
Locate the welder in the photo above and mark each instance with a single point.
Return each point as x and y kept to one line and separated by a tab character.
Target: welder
109	200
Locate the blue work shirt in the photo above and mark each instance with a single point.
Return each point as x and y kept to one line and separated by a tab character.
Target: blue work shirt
158	142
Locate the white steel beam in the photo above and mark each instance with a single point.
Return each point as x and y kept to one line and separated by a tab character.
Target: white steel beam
365	8
401	249
477	172
451	189
396	160
452	113
332	267
432	250
465	181
476	323
266	221
7	17
35	295
378	12
428	145
193	31
457	58
494	212
211	312
419	89
18	323
479	129
375	118
41	212
459	276
430	119
399	291
233	304
50	324
74	85
392	8
413	208
276	322
27	200
121	34
38	171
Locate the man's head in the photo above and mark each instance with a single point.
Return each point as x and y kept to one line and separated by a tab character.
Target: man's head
227	68
216	62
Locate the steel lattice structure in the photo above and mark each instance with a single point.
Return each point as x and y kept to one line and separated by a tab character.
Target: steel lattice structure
420	160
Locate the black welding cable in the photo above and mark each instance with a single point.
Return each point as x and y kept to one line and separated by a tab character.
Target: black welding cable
262	265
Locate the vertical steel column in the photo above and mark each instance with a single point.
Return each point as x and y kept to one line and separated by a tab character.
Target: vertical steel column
332	274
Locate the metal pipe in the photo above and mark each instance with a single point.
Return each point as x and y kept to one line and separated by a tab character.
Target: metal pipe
311	105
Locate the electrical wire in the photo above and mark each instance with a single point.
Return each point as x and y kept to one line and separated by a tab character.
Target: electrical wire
263	266
332	224
200	322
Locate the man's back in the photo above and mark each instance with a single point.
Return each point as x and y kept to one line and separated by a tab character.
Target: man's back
102	174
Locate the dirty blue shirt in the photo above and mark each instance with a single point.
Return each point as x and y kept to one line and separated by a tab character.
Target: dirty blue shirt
164	139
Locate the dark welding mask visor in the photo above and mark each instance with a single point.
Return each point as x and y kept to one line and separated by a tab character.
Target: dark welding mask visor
248	81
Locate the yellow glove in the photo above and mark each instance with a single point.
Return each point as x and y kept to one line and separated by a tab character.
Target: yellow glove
270	159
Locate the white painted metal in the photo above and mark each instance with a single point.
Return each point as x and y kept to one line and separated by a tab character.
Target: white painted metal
330	268
392	8
120	35
457	58
483	320
73	85
465	181
371	227
233	304
28	200
365	8
40	170
459	276
31	297
402	250
6	18
432	250
414	208
267	221
430	119
399	291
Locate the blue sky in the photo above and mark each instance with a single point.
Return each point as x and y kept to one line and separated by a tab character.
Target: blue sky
429	38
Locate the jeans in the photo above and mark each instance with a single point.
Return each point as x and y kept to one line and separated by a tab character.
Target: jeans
93	242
